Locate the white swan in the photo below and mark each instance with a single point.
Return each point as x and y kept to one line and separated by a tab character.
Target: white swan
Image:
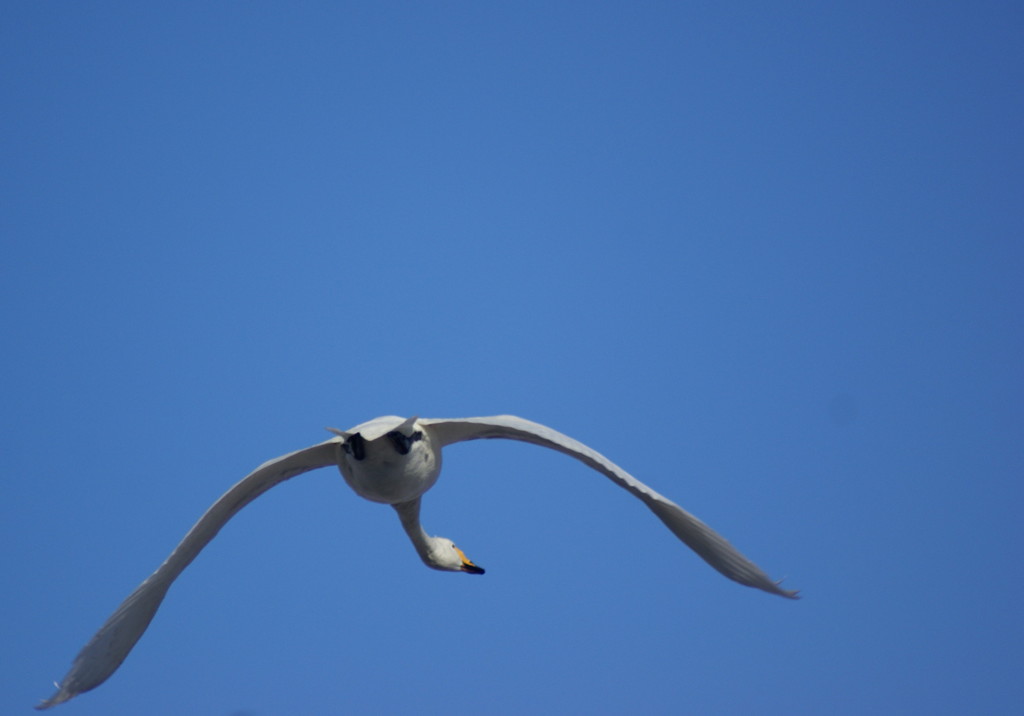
394	461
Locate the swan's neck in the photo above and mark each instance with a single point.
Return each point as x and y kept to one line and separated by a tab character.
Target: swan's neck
409	514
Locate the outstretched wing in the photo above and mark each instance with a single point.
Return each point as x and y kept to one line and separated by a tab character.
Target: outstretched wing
711	546
108	648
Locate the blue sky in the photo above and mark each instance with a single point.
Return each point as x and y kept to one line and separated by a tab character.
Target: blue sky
768	260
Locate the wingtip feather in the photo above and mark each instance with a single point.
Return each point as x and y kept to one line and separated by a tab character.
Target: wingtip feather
788	593
60	696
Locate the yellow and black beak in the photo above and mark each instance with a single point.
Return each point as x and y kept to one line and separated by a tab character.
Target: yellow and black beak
467	565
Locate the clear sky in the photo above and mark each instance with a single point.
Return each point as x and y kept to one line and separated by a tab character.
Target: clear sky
768	259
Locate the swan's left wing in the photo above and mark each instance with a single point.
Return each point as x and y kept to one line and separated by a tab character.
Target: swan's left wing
711	546
110	645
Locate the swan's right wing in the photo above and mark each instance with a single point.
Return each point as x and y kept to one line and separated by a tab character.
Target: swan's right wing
711	546
110	645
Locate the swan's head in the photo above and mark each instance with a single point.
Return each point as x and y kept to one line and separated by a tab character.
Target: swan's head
444	555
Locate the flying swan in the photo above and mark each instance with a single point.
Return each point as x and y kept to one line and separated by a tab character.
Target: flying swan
394	461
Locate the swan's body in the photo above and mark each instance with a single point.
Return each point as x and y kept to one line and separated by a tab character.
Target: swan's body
394	461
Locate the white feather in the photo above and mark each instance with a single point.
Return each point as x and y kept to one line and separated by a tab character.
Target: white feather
392	460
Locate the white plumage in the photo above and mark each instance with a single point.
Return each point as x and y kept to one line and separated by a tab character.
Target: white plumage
394	461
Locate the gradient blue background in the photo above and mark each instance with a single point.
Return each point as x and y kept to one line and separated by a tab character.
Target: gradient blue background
769	260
